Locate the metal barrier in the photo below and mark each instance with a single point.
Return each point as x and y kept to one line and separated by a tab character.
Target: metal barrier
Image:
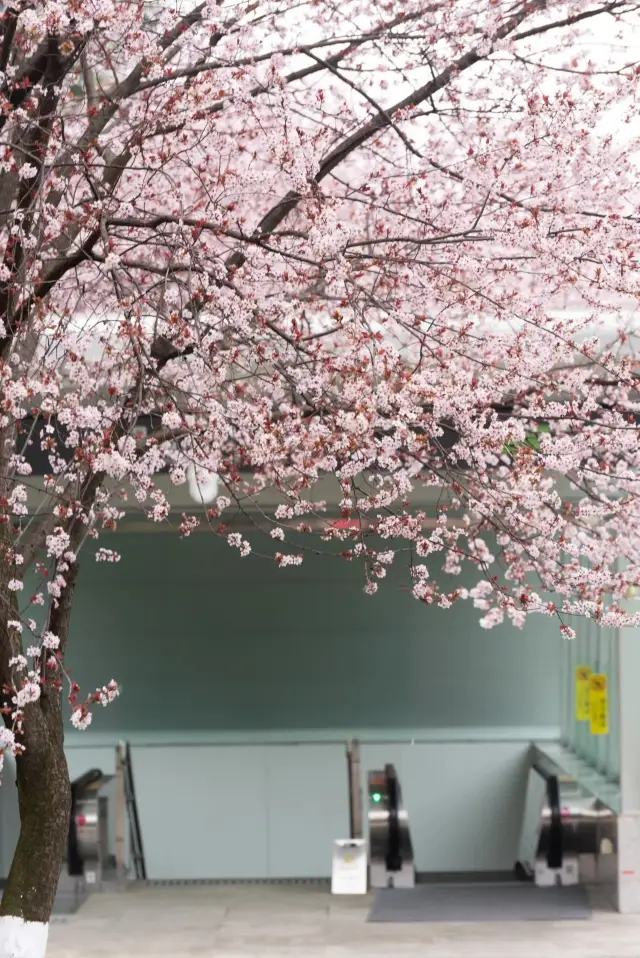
568	835
390	848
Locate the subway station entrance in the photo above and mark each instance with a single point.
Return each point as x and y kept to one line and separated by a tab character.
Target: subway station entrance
257	704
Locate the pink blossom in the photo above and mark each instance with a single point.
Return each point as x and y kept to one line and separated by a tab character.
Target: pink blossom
107	555
81	718
50	641
58	543
30	692
366	323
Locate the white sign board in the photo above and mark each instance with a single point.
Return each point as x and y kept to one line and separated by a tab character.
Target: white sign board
349	867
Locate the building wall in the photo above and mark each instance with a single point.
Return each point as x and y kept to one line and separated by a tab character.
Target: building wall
241	683
204	640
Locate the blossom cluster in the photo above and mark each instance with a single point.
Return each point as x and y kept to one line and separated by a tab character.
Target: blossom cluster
42	667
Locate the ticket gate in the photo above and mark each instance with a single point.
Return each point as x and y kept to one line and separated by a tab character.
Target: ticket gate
390	848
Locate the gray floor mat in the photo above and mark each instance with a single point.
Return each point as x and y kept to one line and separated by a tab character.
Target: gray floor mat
511	901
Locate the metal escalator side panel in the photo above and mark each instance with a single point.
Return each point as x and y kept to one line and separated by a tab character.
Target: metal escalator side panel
377	817
89	782
75	865
390	846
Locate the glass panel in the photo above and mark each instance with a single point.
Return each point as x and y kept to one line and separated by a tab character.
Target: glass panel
603	663
585	657
598	649
613	758
567	694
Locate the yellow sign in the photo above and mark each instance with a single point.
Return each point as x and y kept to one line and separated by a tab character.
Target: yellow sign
583	691
599	705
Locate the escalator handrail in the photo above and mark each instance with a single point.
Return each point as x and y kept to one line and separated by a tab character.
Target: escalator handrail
393	856
555	849
549	772
89	778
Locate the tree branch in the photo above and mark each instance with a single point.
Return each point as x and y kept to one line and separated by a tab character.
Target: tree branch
382	121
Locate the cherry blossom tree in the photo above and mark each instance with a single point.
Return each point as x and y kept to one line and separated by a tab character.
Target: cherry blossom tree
372	247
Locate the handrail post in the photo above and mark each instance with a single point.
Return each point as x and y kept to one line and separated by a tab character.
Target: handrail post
120	816
355	789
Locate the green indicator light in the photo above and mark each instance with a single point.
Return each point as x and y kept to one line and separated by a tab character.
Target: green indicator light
377	797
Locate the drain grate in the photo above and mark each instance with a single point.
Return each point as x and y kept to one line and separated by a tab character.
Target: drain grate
171	882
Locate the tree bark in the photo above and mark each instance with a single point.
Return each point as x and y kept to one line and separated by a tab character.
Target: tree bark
44	790
44	796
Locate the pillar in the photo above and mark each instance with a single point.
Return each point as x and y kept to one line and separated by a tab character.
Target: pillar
628	884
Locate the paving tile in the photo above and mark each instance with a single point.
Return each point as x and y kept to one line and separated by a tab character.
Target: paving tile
306	922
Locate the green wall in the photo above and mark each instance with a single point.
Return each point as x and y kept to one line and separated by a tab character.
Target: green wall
203	640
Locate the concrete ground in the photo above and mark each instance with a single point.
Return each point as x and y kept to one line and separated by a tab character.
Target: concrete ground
305	921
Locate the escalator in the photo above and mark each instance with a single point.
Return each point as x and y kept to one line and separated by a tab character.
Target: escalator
390	847
89	866
568	836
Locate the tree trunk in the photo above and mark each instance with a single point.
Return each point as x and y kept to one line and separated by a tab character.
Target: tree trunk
44	790
44	795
